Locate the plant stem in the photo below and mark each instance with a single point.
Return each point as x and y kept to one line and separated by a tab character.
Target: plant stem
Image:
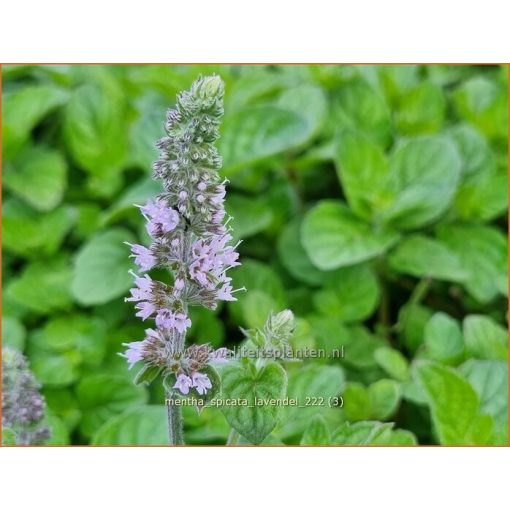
174	413
233	437
420	291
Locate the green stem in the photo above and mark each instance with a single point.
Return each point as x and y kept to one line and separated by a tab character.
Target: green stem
175	429
420	291
233	437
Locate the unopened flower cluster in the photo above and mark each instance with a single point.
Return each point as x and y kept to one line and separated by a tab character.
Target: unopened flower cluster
23	406
189	236
274	337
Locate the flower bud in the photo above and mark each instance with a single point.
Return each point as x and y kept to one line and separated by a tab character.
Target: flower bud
209	86
279	327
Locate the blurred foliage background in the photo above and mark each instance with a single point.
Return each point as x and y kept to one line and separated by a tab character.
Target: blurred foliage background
372	201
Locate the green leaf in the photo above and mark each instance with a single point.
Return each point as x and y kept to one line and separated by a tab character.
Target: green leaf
294	257
359	106
255	133
253	421
102	396
95	134
485	338
362	169
317	433
356	402
85	335
423	179
250	215
311	386
101	268
43	286
23	110
13	333
321	332
62	403
454	405
372	433
255	84
147	128
421	111
351	294
255	276
361	433
206	325
28	233
483	252
8	437
333	237
146	374
58	430
397	79
379	401
52	369
484	197
143	425
90	219
138	193
256	307
392	362
424	257
400	437
443	339
483	192
208	426
39	178
490	381
484	103
309	102
412	319
473	148
384	398
360	347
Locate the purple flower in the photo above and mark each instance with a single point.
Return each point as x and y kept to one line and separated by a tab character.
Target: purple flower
211	260
225	293
230	257
142	293
201	382
145	309
182	322
143	289
218	216
197	272
183	383
219	195
172	320
161	218
165	319
133	352
143	256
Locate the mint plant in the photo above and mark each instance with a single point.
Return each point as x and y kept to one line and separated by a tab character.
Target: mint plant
254	387
191	240
23	407
372	201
